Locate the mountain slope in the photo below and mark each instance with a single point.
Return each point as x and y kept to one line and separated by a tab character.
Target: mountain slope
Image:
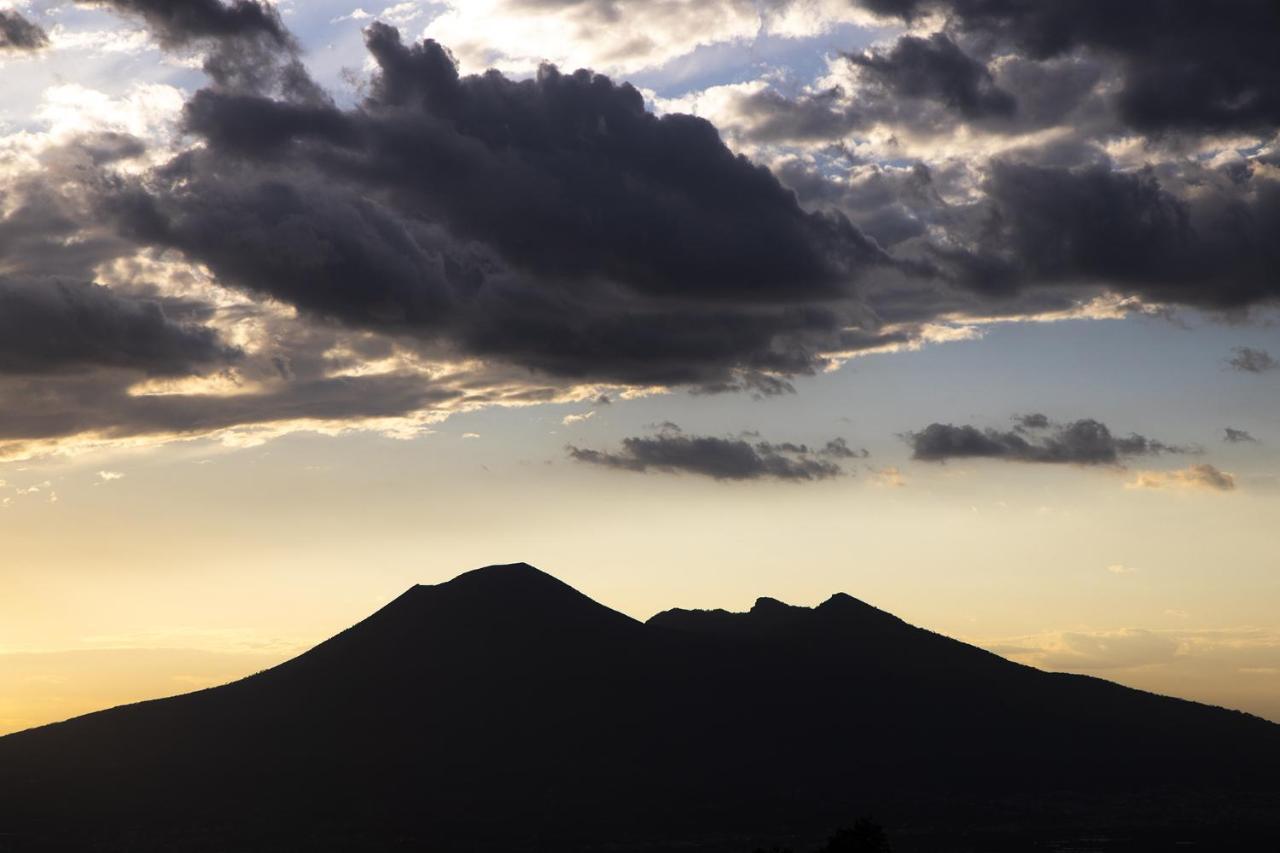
505	711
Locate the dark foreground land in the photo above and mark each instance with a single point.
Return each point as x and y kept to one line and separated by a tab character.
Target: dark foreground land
503	711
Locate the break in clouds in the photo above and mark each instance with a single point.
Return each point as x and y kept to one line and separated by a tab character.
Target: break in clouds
289	255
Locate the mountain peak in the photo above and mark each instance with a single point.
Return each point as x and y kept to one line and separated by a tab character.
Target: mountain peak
503	592
842	602
503	574
513	604
765	605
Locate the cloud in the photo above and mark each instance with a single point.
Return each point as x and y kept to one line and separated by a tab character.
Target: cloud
1094	651
1112	650
1250	360
1206	664
178	22
17	33
357	14
1034	420
626	36
672	451
1121	569
247	46
1237	436
570	420
1201	476
1021	163
936	69
1095	224
889	476
453	241
553	223
1233	84
56	326
1082	442
109	476
838	448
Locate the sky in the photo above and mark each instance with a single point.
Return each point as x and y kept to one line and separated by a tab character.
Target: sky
967	309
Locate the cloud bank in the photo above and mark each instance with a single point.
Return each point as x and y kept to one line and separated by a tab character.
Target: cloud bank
447	240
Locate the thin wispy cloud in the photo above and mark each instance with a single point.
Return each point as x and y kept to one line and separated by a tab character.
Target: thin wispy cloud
1250	360
1202	476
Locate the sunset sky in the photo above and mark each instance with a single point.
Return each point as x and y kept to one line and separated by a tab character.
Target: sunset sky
966	309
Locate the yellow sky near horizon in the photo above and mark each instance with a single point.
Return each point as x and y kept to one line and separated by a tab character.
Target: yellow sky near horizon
183	575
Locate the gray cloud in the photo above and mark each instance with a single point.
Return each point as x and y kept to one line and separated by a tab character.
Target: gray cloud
1061	211
52	326
672	451
1181	66
178	22
249	47
17	33
838	448
1034	420
1094	225
1082	442
936	69
1237	436
1250	360
552	223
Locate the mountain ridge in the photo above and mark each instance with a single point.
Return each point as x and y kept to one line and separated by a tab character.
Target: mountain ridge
506	710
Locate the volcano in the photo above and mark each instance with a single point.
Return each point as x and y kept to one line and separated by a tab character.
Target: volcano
505	711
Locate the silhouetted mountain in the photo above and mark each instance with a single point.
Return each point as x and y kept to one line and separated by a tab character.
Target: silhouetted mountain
503	710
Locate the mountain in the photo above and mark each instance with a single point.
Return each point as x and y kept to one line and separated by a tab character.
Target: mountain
505	711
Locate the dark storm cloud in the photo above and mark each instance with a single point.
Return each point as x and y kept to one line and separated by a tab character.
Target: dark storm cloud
1123	229
17	33
1057	212
1181	66
551	222
935	68
554	225
1034	420
51	326
1250	360
672	451
1237	436
1083	442
580	181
